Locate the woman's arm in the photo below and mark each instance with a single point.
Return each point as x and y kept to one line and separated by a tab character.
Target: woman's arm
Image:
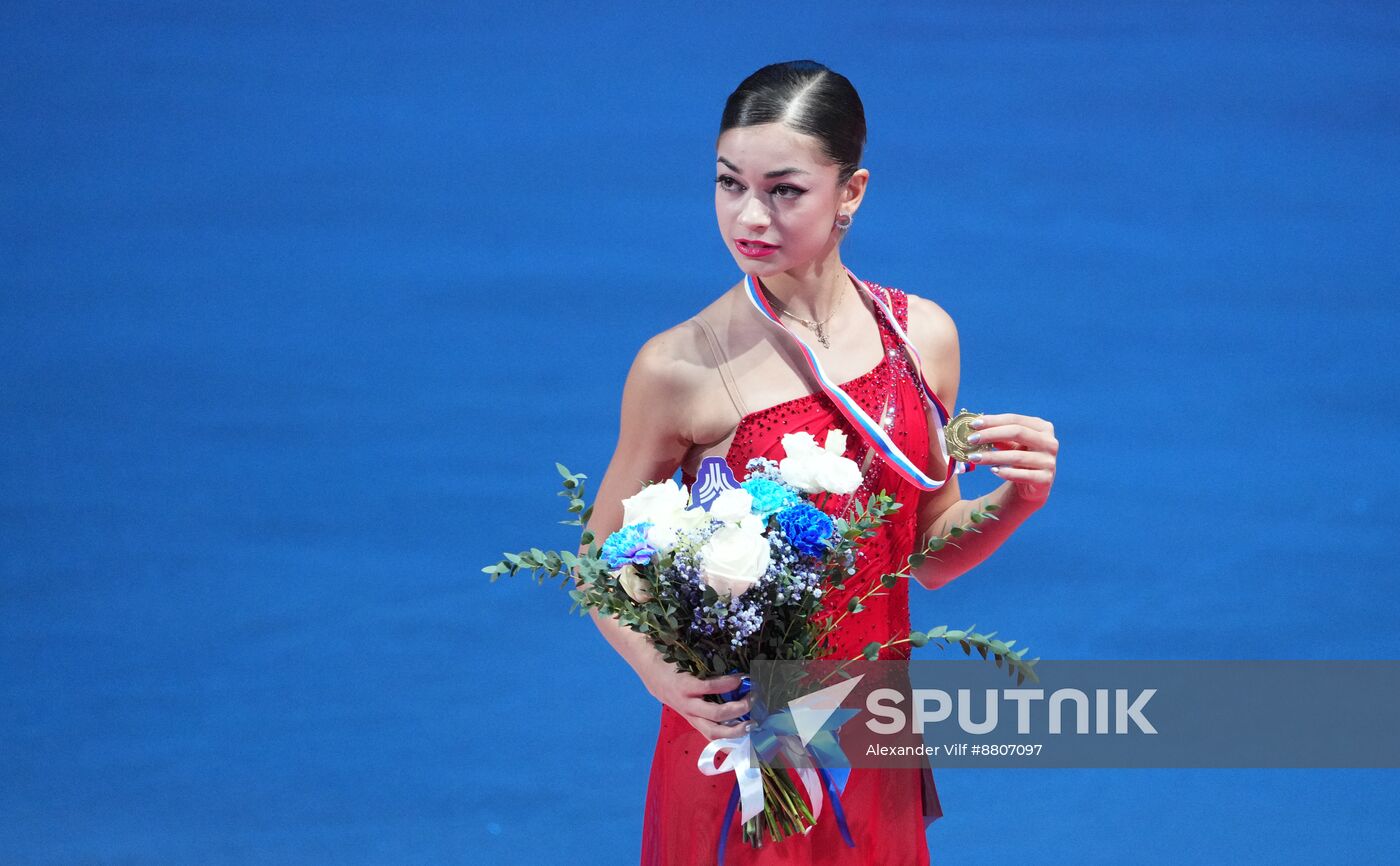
658	402
936	337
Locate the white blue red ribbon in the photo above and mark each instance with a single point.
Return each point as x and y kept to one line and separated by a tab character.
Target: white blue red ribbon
869	429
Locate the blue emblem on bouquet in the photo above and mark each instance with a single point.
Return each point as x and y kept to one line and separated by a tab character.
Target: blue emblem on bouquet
714	478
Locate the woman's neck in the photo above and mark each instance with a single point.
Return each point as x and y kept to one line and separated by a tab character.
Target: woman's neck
812	292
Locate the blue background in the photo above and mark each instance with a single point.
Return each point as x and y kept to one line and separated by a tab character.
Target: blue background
301	303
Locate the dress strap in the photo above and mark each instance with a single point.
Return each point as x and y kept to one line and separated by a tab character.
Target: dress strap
722	361
891	298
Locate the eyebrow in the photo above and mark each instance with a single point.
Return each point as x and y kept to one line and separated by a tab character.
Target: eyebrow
777	173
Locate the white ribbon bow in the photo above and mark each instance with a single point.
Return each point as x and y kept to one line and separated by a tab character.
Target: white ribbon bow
739	759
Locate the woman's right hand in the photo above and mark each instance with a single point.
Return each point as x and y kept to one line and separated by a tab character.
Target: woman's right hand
685	694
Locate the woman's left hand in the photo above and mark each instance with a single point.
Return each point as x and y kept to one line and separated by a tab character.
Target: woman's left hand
1025	452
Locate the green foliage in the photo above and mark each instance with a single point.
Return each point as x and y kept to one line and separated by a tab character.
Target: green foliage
797	629
663	616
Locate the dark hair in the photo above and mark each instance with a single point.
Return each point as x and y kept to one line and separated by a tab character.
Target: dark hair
805	96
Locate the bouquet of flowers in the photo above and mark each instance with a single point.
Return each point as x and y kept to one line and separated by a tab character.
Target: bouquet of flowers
732	572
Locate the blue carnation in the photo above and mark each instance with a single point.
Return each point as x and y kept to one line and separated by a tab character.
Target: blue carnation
769	497
628	544
806	528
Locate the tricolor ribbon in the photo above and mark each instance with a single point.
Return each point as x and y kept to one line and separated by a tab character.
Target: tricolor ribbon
777	733
871	431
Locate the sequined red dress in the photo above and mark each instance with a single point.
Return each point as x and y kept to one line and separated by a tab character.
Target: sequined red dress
887	810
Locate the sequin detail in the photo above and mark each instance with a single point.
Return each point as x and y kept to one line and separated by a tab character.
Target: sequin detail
887	391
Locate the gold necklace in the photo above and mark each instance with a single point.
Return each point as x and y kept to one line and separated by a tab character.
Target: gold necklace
818	327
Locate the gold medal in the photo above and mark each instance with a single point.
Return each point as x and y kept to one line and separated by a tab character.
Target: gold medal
956	433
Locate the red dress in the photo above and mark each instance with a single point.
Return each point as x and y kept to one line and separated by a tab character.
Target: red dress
887	810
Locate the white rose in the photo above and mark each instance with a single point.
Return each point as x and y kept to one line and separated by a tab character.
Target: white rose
813	469
732	505
801	471
633	583
733	560
666	507
753	523
655	503
688	518
802	442
665	534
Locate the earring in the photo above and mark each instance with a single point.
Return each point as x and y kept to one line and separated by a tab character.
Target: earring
843	221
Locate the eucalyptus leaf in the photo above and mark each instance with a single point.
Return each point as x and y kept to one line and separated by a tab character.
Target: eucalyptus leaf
670	616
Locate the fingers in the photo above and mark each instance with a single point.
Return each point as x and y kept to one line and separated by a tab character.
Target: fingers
1014	434
713	712
1031	421
1019	435
1024	451
714	720
1012	457
716	685
1033	476
718	721
712	731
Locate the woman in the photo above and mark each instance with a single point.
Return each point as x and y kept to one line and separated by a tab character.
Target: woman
731	382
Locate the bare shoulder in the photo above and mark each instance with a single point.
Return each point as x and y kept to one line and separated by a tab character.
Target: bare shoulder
682	347
669	363
674	374
935	336
681	355
930	326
